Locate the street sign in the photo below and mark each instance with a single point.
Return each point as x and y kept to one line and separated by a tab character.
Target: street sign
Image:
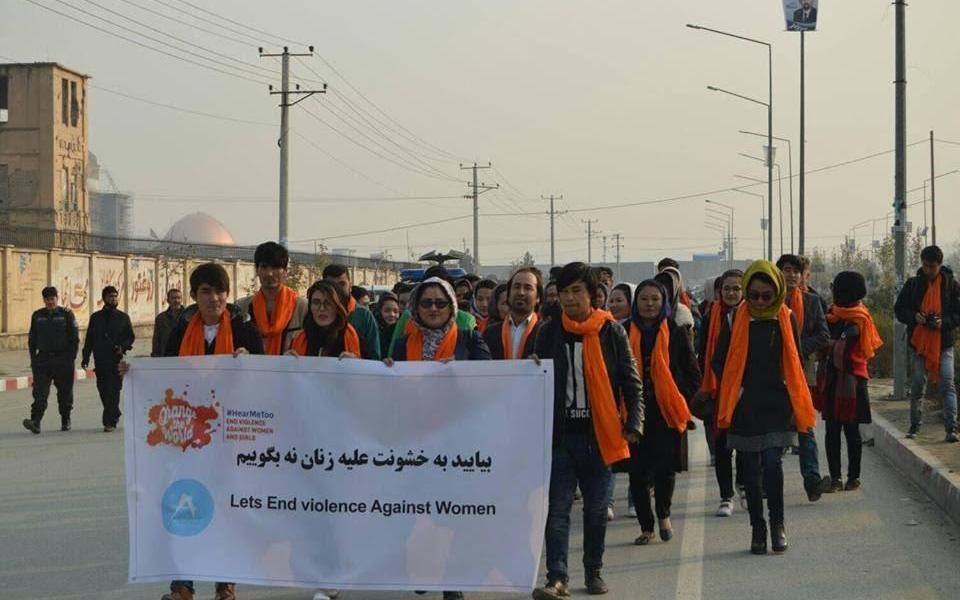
801	15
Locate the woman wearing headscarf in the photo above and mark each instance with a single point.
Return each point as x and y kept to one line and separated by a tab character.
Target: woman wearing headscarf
672	280
501	307
763	397
670	376
842	381
326	327
601	297
435	334
387	313
620	301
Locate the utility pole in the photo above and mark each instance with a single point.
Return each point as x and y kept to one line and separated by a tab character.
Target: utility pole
478	188
618	246
553	213
803	145
590	233
933	196
604	249
900	195
284	141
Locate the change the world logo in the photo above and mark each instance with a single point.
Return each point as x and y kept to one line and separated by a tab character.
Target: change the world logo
177	423
186	507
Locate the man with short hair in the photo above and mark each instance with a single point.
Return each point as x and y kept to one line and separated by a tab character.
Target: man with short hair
482	298
361	295
276	310
606	277
814	336
667	262
594	374
166	321
402	290
359	316
929	305
514	337
53	343
109	337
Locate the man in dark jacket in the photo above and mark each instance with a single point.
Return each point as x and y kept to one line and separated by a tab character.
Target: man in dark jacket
814	336
360	317
593	370
167	321
924	325
109	337
53	342
524	291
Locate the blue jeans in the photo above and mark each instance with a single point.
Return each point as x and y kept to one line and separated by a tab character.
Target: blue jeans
576	458
809	459
947	388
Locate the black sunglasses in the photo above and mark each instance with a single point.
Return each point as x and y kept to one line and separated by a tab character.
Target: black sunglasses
430	303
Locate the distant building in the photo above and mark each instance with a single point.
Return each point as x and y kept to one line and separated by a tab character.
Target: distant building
111	211
43	154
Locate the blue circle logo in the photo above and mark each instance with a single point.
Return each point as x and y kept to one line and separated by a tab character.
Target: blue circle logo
187	507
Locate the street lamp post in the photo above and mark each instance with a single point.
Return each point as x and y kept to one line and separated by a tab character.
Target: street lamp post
769	113
732	212
779	210
933	205
724	218
764	222
800	240
721	229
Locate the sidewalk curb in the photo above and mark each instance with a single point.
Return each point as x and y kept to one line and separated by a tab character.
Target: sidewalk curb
12	384
921	467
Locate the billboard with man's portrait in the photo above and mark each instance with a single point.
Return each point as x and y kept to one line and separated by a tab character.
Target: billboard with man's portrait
801	15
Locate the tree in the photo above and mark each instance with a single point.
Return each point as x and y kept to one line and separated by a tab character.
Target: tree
526	260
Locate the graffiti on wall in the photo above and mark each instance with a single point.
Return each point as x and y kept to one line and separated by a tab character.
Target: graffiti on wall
142	290
72	278
108	271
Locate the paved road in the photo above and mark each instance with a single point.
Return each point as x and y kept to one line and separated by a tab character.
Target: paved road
63	531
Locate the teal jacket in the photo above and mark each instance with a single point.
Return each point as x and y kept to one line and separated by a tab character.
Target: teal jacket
367	330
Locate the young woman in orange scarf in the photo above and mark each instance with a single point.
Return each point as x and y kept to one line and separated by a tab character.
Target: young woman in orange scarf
763	396
670	374
326	328
843	378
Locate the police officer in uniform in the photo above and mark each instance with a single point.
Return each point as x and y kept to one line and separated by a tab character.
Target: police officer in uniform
109	337
53	343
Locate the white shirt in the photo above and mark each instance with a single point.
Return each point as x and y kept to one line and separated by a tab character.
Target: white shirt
210	332
516	334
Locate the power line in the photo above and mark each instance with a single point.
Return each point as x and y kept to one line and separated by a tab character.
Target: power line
180	108
238	23
174	199
388	230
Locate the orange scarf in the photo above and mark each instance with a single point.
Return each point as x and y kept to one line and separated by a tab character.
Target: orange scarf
927	341
672	404
351	342
271	329
795	302
859	316
730	384
194	344
507	339
351	305
606	417
446	348
482	324
685	299
709	383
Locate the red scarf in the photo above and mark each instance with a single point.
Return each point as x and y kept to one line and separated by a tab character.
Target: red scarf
351	342
672	404
606	418
506	339
195	344
272	327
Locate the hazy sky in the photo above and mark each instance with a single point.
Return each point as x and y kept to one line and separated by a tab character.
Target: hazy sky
604	102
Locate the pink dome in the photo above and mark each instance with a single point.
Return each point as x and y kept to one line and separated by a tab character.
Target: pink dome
200	228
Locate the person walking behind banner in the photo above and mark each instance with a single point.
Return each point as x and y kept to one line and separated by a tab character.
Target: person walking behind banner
514	337
275	309
483	303
109	337
593	372
929	305
166	321
605	275
360	317
465	319
211	326
620	302
814	337
842	385
361	295
326	330
670	379
551	300
720	315
387	315
500	304
763	395
53	342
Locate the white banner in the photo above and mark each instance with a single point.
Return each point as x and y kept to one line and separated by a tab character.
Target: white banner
338	474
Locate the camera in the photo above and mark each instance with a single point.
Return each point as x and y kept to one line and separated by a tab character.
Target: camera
931	320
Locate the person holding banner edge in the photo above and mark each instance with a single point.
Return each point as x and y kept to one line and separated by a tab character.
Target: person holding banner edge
593	368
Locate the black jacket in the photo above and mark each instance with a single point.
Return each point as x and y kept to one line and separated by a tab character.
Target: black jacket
911	298
470	346
621	369
163	325
53	333
683	362
109	337
245	334
815	335
493	337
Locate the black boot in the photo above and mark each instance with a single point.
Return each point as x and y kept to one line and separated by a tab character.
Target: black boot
758	543
64	423
31	425
778	537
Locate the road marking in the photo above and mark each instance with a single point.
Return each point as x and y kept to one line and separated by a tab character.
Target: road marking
690	573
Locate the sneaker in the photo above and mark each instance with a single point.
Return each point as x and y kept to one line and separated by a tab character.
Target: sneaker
632	512
813	490
726	508
31	426
610	515
552	591
852	485
835	486
913	431
951	438
64	423
596	585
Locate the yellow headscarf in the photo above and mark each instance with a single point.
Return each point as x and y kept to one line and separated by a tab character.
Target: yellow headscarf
770	270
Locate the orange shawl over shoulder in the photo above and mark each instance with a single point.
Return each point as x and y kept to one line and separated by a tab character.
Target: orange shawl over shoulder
736	364
927	341
859	315
194	344
709	383
351	342
446	348
795	302
271	327
603	405
506	339
672	404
